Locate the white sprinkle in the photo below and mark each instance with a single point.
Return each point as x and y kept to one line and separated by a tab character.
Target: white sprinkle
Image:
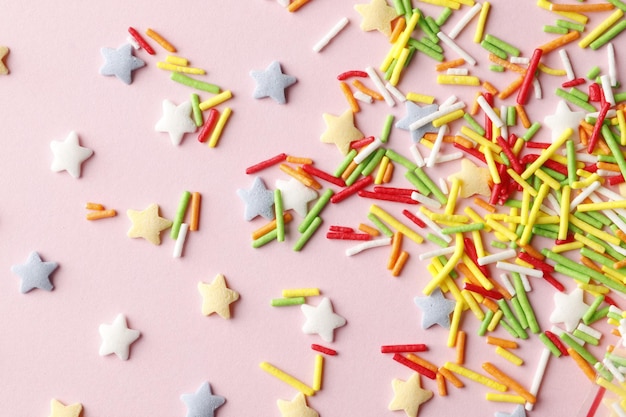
443	185
331	34
441	158
180	240
567	64
435	115
610	114
367	151
133	43
618	249
396	93
605	173
585	157
538	273
610	214
519	60
559	332
617	408
431	224
457	71
495	119
554	202
448	102
437	252
589	331
361	96
612	65
504	129
548	210
380	86
417	156
427	201
283	3
608	90
369	244
500	256
584	194
467	17
432	158
526	283
541	370
613	370
460	51
506	281
537	88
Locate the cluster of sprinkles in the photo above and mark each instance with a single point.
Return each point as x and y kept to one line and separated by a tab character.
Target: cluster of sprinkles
562	184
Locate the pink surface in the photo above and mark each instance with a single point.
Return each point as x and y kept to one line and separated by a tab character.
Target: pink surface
49	342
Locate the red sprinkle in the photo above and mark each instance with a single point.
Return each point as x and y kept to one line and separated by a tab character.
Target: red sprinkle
538	145
524	256
360	143
557	342
414	219
480	290
573	83
420	347
615	179
470	249
391	190
310	169
522	95
527	159
596	402
488	123
353	189
140	40
416	367
387	197
348	74
610	301
348	236
595	133
323	349
552	281
342	229
209	124
474	152
266	164
517	167
595	93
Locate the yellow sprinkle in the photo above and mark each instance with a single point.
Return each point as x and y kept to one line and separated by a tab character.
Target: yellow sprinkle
454	323
601	28
219	126
177	60
395	74
576	17
393	222
444	3
179	68
452	196
547	153
285	377
408	31
478	243
554	184
608	205
491	164
509	356
420	98
381	170
565	204
611	273
482	279
481	140
301	292
523	263
611	387
578	185
551	71
473	305
471	213
384	66
534	211
567	247
448	267
593	231
502	229
448	118
458	80
426	143
450	285
475	376
621	121
215	100
590	243
519	144
599	289
505	398
482	20
455	218
521	181
317	374
495	320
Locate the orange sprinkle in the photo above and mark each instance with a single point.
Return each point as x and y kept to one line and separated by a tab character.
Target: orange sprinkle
345	89
362	88
607	166
581	8
388	173
195	211
560	41
398	28
533	252
160	40
265	229
464	142
582	364
296	4
314	183
511	88
451	378
616	332
290	171
506	64
298	160
621	235
441	385
584	136
101	214
483	204
490	304
450	64
94	206
475	105
603	147
463	269
503	343
509	382
589	263
461	337
431	137
421	361
369	230
396	248
349	170
397	268
620	264
587	126
490	88
521	113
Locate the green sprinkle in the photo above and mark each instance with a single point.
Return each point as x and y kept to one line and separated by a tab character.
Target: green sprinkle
593	73
619	360
555	29
575	100
180	214
384	136
496	68
579	349
532	130
570	25
619	4
571	161
410	57
390	69
380	225
519	313
539	231
443	17
425	49
550	345
423	24
592	309
575	266
432	45
453	274
510	317
408	9
579	93
614	145
315	210
399	6
306	235
527	308
577	275
462	229
265	239
434	27
280	221
439	195
619	97
513	203
437	240
373	163
344	164
474	124
417	183
498	244
599	315
397	158
604	373
505	46
197	113
599	217
509	329
488	46
595	256
585	337
191	82
613	316
284	302
511	116
608	35
485	323
358	170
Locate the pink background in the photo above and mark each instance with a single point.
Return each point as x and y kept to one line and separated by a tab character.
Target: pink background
49	341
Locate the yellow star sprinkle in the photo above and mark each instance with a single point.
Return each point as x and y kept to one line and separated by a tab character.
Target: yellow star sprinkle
340	130
474	180
57	409
376	16
4	51
217	297
409	395
296	407
147	224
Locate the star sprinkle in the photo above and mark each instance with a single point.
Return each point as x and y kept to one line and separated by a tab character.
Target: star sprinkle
568	308
562	119
436	309
203	403
217	297
409	395
518	412
272	83
474	180
176	121
57	409
377	15
340	130
259	200
35	273
413	114
4	51
296	195
296	407
69	155
120	62
321	320
117	338
147	224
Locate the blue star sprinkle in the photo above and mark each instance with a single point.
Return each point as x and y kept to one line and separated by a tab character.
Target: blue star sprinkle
414	113
120	62
259	200
35	273
518	412
203	403
436	309
272	83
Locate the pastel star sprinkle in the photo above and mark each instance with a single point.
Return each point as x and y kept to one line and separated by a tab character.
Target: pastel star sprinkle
377	15
58	409
35	273
296	407
474	180
518	412
436	309
562	119
272	83
409	395
217	297
321	320
147	224
296	195
4	51
259	200
117	338
120	62
340	130
176	121
568	308
69	155
414	113
203	403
